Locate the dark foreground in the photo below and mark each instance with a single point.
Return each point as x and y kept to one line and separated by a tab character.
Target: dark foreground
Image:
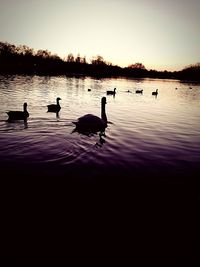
101	219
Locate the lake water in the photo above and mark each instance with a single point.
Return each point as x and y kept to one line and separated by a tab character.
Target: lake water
135	190
146	135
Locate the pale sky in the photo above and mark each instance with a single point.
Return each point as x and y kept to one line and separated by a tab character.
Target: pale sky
161	34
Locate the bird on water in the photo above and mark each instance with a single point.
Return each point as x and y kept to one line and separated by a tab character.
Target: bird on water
92	123
54	107
155	92
139	91
111	92
18	115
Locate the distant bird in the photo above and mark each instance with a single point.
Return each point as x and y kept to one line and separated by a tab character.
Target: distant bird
111	92
54	107
155	93
190	87
18	115
128	91
89	90
139	91
92	123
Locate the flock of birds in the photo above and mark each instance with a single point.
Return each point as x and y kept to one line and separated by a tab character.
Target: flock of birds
88	122
141	92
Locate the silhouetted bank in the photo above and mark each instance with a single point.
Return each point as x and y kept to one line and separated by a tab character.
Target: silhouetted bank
24	60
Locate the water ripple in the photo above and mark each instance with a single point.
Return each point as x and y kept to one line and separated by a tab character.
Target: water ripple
144	132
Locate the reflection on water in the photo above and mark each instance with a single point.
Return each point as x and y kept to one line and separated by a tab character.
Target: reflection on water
156	133
152	144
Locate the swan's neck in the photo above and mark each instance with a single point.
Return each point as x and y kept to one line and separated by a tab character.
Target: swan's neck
25	108
58	102
103	113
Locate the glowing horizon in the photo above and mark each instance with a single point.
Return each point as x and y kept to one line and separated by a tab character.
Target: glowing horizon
161	35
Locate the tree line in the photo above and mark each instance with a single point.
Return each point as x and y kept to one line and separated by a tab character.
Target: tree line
25	60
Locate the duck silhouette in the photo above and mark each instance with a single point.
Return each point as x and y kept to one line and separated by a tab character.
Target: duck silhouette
90	123
18	115
139	91
111	92
54	107
155	92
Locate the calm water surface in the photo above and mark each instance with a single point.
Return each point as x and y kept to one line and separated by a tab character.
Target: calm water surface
156	135
151	143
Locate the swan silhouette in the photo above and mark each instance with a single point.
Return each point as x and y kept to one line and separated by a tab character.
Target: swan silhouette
18	115
90	123
54	107
155	92
111	92
139	91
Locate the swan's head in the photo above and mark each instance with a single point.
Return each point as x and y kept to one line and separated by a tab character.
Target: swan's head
25	105
58	98
103	100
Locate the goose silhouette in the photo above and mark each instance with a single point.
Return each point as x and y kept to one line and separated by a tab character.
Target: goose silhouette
111	92
54	107
90	123
139	91
155	92
18	115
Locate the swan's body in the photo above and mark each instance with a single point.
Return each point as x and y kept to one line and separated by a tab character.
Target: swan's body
111	92
18	115
139	91
54	107
92	123
155	93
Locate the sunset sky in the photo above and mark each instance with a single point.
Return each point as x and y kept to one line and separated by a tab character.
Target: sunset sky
158	33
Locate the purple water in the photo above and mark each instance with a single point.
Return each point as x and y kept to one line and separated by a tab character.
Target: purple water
136	191
145	133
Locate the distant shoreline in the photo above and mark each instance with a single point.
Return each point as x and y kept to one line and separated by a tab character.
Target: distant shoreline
79	75
25	61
